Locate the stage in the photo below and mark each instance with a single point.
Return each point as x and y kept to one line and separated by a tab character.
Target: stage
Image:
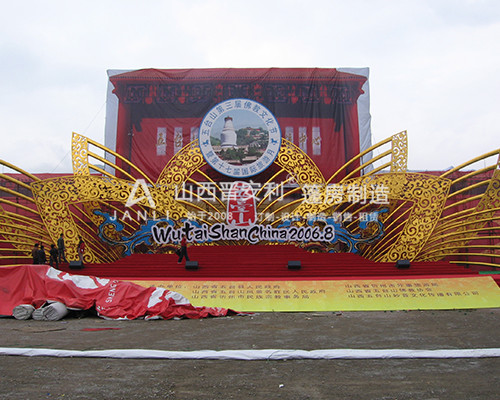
278	209
288	278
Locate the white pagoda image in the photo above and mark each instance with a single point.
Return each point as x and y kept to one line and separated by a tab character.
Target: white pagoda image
228	135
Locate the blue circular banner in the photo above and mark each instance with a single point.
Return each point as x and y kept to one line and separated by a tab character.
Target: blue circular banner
239	138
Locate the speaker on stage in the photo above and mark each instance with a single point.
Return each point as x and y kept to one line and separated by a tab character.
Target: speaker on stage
76	265
191	265
403	264
294	265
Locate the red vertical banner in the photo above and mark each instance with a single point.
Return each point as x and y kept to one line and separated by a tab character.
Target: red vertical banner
241	210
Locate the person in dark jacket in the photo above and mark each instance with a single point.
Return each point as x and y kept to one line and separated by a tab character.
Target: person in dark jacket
61	249
53	256
34	253
42	257
80	248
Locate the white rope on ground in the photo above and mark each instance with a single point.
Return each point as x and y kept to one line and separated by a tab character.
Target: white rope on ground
253	355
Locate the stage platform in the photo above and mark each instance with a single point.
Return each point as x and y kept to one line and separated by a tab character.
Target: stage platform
258	278
261	262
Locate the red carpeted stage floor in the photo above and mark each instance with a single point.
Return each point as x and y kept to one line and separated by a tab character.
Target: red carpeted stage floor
262	262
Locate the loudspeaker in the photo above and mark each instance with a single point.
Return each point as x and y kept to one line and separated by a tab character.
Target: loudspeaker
294	265
76	265
191	265
403	264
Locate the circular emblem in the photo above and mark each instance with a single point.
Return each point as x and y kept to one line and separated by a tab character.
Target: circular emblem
239	138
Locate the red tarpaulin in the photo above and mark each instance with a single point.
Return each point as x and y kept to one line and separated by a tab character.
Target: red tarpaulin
36	284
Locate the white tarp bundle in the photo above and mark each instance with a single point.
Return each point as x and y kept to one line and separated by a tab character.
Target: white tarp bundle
253	355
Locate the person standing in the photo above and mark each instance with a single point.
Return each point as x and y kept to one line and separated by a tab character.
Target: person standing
53	253
80	249
42	257
61	249
183	250
34	253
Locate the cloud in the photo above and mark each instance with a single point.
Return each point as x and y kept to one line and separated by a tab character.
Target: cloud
432	64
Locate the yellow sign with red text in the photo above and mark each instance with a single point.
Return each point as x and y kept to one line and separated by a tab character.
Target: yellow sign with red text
336	295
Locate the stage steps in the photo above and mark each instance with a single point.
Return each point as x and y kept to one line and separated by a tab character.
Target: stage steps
260	262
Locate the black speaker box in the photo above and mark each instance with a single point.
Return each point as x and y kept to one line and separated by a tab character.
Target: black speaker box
403	264
294	265
75	265
191	265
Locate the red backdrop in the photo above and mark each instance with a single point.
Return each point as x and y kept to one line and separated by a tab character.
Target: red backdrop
160	110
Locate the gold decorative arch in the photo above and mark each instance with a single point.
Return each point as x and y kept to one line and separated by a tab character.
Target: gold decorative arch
426	217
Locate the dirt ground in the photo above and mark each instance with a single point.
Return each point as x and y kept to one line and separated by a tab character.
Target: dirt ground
105	378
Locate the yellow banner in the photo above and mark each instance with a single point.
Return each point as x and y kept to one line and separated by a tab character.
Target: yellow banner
339	295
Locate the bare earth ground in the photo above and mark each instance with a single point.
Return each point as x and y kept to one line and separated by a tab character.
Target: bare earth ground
88	378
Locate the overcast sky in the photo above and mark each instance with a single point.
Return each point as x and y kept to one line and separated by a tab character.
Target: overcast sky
434	64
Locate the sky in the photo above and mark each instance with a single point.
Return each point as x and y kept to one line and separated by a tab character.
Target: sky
434	64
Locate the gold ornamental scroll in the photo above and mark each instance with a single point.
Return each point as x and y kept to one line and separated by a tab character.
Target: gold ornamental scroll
180	168
428	195
55	196
469	226
399	152
304	171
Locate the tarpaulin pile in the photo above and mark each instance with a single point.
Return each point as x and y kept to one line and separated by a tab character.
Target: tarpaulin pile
37	284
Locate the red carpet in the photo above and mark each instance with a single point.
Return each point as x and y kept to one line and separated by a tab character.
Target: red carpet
261	262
